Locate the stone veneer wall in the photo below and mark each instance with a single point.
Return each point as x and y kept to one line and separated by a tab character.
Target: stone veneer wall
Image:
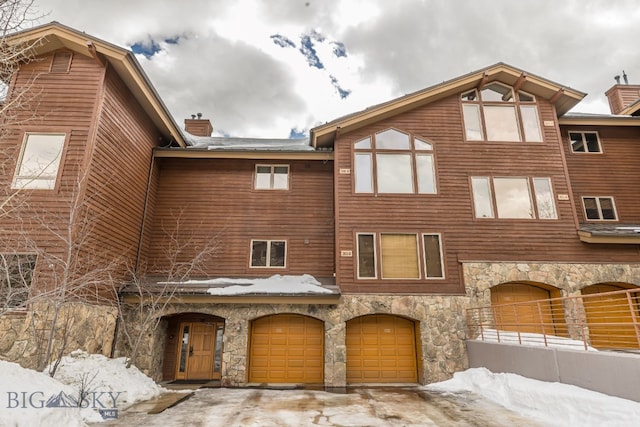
90	328
439	320
480	277
570	279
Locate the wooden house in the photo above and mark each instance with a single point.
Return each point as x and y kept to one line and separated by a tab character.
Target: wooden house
345	258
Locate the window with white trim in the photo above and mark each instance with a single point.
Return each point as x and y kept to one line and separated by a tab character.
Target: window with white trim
399	256
268	253
272	177
513	197
39	161
585	142
16	274
495	114
599	208
394	162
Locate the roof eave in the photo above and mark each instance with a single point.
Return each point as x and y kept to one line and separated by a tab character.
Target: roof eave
617	120
55	36
564	99
589	237
193	153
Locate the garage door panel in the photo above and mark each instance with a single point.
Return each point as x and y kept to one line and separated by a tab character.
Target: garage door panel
521	318
294	350
381	348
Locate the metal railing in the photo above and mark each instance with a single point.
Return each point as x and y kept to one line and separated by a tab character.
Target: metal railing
608	320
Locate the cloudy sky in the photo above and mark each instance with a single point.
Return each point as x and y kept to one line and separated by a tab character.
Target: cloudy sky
275	68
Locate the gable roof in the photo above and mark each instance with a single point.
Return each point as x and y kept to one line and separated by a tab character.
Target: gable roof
563	97
52	36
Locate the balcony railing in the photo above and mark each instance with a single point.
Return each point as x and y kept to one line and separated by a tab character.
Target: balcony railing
609	320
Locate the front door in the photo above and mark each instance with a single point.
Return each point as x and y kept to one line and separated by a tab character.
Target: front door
200	353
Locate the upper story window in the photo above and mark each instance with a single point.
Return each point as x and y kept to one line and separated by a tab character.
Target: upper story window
399	256
16	274
39	161
272	177
585	142
394	162
599	208
513	197
268	253
495	114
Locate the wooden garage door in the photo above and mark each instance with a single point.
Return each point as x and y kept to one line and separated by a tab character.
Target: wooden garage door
287	348
522	317
381	349
609	318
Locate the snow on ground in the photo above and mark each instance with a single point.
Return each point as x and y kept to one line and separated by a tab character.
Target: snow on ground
31	398
24	395
552	404
531	339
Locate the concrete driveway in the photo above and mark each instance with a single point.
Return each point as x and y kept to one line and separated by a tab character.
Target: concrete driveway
360	406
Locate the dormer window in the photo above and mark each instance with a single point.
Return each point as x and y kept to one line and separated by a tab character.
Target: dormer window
394	162
495	114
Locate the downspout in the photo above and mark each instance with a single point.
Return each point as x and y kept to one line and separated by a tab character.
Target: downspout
145	209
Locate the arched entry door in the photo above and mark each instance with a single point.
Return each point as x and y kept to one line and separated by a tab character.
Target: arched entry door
610	317
514	309
381	348
193	349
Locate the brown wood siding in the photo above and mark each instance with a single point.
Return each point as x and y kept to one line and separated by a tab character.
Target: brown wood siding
449	212
56	102
109	134
614	172
119	172
217	199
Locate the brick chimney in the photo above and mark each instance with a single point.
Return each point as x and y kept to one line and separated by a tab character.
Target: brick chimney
622	95
198	126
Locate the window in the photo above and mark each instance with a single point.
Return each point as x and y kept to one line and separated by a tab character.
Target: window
272	177
585	142
401	256
39	161
394	162
512	197
268	253
16	274
494	114
599	208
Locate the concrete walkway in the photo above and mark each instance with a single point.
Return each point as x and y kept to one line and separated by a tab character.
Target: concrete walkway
362	406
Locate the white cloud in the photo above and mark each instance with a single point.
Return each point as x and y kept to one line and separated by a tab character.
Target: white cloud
226	66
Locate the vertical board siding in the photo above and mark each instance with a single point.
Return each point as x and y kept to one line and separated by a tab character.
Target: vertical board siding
450	212
214	199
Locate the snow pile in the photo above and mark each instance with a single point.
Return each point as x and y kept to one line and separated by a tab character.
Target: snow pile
31	398
553	404
101	374
276	284
25	394
531	339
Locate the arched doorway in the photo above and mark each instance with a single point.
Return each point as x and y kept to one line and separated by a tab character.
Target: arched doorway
514	309
193	349
381	348
286	348
610	317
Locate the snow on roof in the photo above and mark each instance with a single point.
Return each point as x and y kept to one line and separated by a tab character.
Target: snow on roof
276	284
248	144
